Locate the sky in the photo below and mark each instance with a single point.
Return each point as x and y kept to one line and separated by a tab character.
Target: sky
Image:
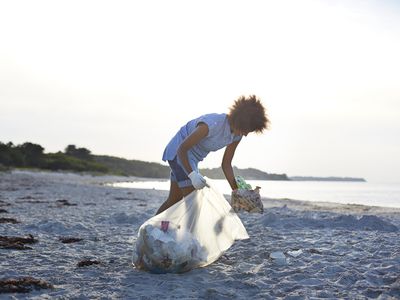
121	77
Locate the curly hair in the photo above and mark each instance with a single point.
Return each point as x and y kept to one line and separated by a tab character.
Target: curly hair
248	114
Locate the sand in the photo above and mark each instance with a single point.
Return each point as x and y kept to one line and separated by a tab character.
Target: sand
85	232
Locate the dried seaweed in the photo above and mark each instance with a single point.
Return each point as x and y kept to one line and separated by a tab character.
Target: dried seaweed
17	243
128	199
64	202
3	203
87	262
8	220
23	285
69	240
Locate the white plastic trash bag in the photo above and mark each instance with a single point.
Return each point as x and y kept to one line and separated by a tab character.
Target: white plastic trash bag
192	233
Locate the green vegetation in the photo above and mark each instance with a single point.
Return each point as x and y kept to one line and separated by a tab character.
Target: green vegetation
138	168
29	155
61	161
249	174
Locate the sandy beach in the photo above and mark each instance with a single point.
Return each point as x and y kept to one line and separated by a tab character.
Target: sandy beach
82	233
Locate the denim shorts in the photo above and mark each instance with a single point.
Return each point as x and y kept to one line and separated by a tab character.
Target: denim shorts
178	174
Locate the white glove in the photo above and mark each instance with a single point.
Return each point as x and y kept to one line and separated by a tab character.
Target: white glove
197	180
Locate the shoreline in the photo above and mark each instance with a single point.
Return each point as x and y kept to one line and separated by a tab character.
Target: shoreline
108	180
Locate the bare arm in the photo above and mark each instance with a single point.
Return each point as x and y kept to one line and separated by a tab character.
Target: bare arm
194	138
227	166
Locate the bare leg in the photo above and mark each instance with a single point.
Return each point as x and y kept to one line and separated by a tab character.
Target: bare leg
187	190
175	194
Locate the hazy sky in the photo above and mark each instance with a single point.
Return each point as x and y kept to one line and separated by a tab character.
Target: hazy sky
121	77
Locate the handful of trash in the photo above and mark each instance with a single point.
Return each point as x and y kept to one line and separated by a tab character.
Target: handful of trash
245	198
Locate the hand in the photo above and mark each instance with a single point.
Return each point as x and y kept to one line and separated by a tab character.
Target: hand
198	181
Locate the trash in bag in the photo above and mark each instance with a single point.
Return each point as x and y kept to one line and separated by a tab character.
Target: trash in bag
245	198
193	233
171	250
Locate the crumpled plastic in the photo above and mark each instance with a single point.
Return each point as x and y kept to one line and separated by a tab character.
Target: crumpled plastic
193	233
247	200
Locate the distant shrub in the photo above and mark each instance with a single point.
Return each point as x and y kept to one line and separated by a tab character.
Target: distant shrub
60	161
138	168
81	153
33	155
10	155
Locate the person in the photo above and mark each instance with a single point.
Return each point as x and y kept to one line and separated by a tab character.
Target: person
210	132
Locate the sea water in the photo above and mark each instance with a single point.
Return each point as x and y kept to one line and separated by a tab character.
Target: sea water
365	193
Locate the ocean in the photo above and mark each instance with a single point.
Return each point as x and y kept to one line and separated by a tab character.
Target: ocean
365	193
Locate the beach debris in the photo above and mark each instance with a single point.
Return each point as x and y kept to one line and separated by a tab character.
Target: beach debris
17	243
23	285
295	253
64	202
121	198
124	198
3	203
14	246
3	210
278	257
32	201
256	269
29	199
87	262
315	251
247	200
69	240
8	220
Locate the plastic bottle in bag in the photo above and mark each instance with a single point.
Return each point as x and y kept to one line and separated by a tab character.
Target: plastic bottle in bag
242	184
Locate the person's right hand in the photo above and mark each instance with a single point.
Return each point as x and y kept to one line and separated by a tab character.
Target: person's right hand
197	180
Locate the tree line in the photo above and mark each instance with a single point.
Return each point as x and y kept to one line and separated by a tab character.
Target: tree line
30	155
77	159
